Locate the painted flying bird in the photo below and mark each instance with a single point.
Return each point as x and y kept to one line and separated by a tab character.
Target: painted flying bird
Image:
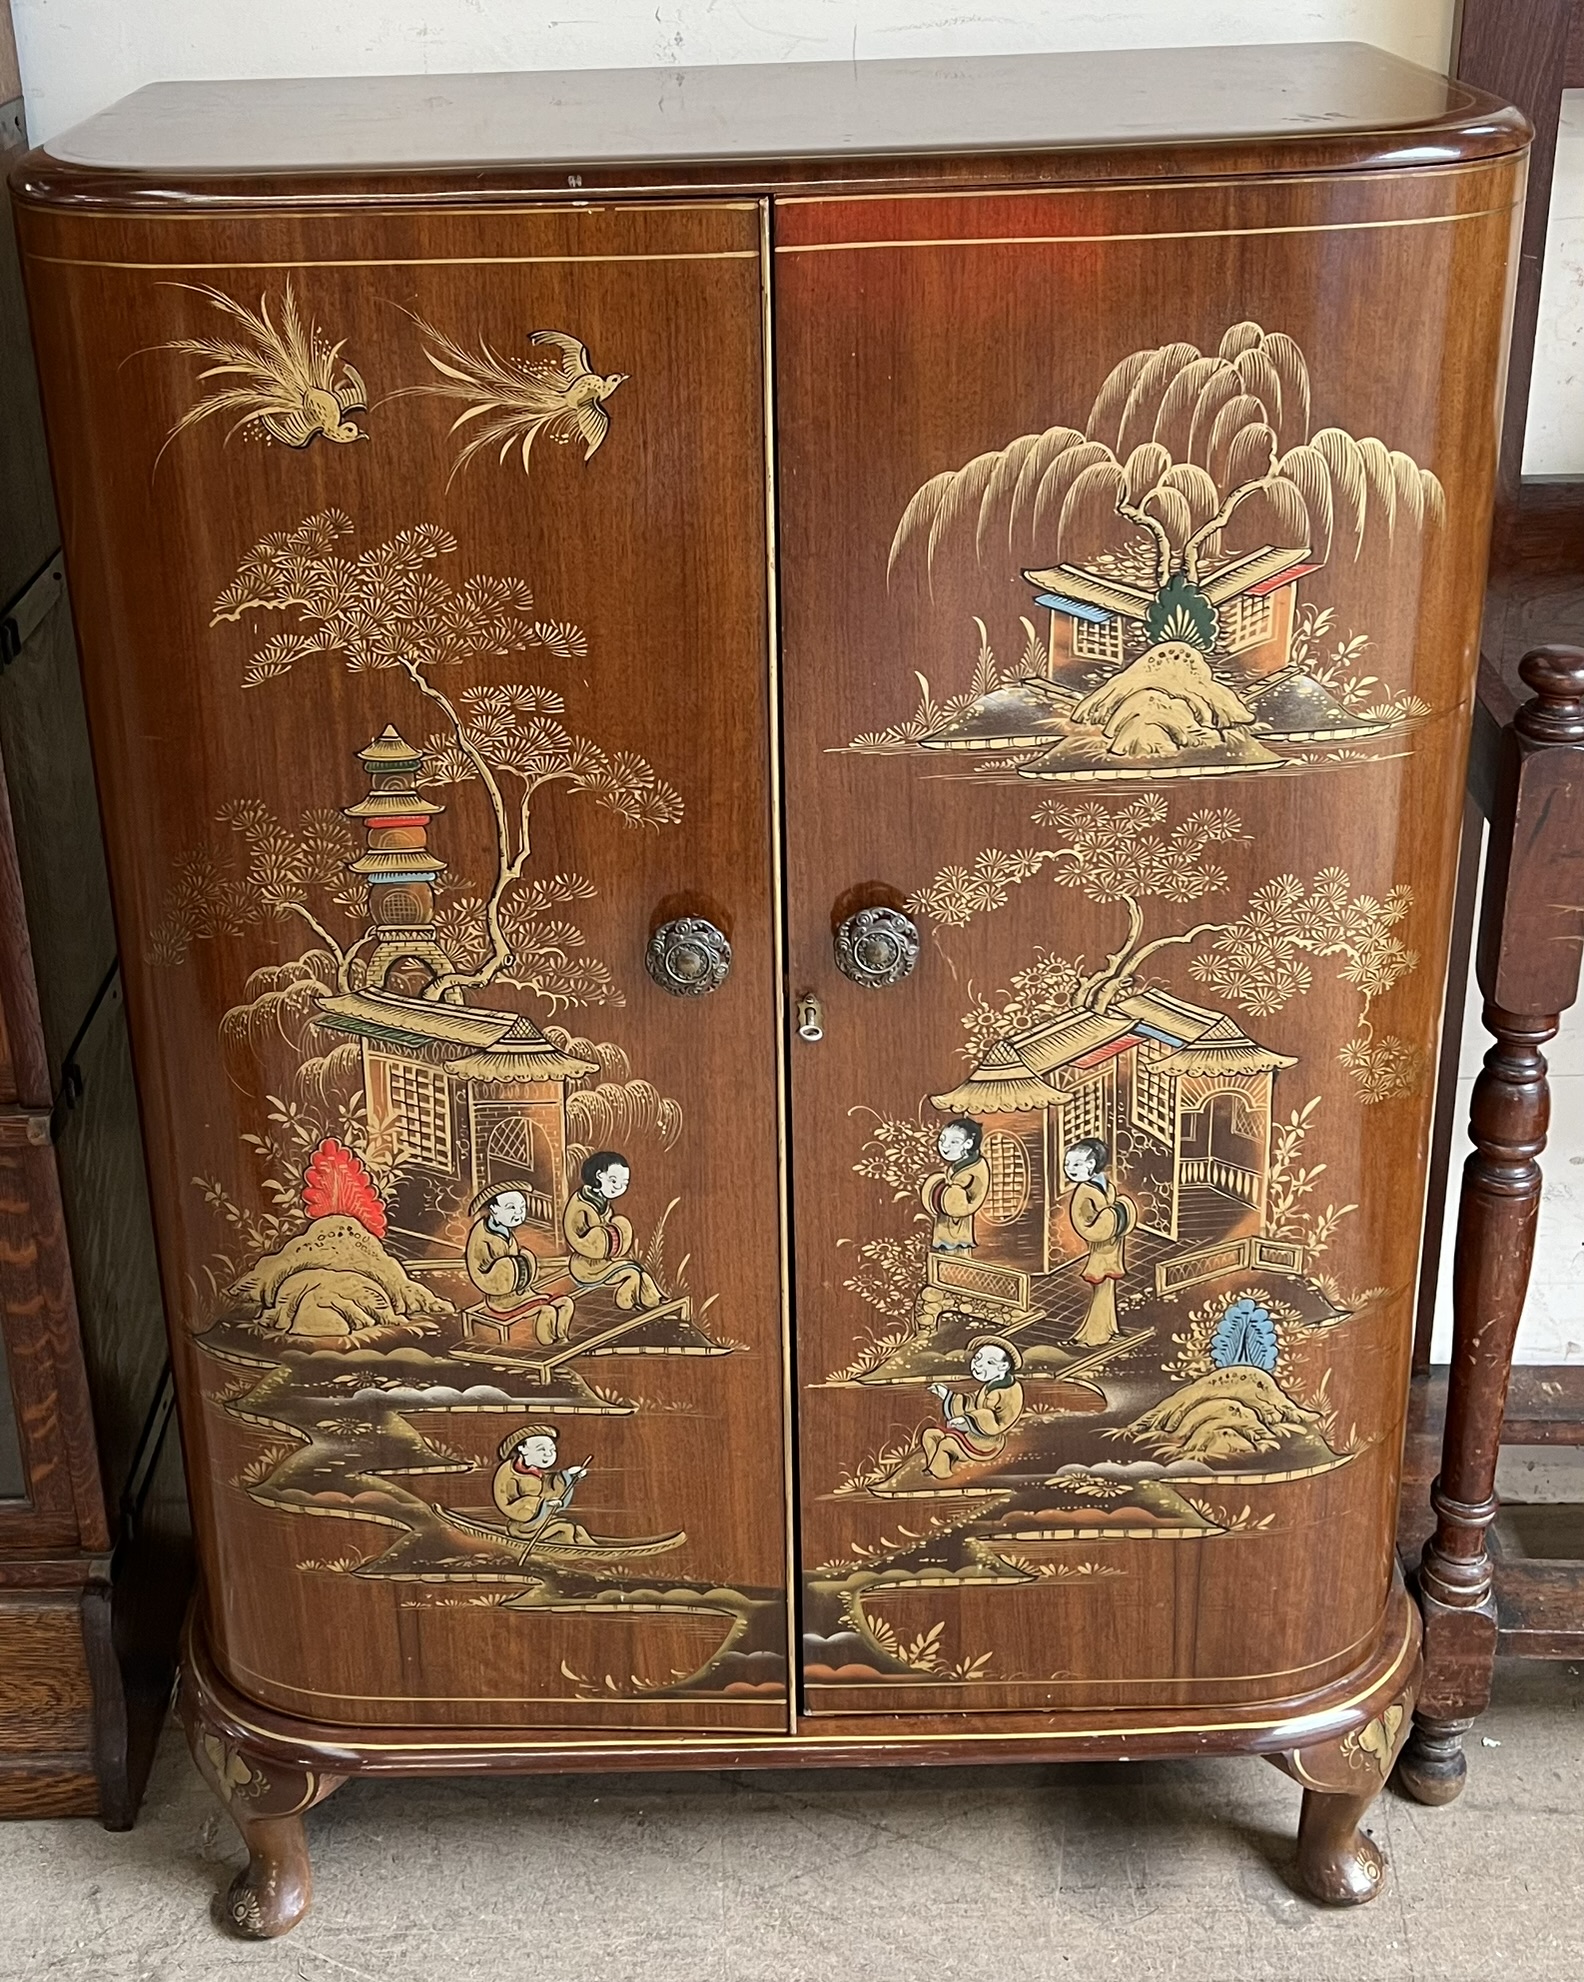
298	387
557	392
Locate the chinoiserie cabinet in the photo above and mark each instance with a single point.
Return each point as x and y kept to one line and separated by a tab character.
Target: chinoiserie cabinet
780	751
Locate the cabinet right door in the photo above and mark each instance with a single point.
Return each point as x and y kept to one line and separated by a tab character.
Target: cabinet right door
1133	541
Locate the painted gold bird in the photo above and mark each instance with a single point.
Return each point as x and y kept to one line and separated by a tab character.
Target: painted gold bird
555	391
297	387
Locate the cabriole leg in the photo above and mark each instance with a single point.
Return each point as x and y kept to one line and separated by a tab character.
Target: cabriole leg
1337	1864
266	1803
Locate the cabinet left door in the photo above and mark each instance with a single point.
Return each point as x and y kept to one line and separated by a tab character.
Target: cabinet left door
420	565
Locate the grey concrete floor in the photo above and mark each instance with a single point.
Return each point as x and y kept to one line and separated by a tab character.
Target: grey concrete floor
920	1875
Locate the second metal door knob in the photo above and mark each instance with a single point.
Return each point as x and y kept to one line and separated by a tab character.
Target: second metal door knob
877	946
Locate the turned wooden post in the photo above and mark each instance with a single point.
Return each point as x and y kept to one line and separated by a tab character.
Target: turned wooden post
1527	967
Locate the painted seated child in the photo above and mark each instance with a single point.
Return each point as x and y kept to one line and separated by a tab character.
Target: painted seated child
533	1493
505	1272
600	1241
976	1427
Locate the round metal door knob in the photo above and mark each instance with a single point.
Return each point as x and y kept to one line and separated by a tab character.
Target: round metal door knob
877	946
688	958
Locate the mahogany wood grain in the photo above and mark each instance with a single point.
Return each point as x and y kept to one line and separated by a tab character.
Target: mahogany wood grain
656	555
907	345
1314	1720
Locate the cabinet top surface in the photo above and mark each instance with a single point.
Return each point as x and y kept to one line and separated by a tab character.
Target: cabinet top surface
1269	108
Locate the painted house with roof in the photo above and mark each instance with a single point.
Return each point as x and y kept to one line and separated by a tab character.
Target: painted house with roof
1181	1095
1093	616
469	1096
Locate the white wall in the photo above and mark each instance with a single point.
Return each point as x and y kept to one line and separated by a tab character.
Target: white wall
1554	444
78	55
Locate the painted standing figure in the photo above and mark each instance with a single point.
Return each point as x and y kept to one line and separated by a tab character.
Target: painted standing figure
505	1272
1102	1217
600	1241
952	1195
976	1427
533	1493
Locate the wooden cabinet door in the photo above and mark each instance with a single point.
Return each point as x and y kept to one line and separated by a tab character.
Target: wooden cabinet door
419	560
1132	542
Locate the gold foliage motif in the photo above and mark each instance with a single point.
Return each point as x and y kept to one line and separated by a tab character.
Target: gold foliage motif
1376	1742
266	867
386	609
1292	1180
293	384
925	1653
1044	989
886	1276
898	1154
1259	960
381	609
1385	1067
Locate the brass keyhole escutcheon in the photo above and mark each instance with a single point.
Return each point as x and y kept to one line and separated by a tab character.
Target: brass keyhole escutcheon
810	1018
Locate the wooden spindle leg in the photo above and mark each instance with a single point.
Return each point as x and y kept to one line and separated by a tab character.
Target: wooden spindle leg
1495	1248
1528	970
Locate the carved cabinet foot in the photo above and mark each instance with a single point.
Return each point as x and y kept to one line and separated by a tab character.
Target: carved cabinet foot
1432	1767
266	1802
1337	1864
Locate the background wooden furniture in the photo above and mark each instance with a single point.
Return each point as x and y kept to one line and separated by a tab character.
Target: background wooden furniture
1099	433
1526	777
92	1515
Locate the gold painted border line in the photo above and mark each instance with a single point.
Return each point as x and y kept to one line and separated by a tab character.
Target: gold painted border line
494	1699
1195	182
1196	1679
782	1039
406	261
501	1744
794	1666
425	206
1184	234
